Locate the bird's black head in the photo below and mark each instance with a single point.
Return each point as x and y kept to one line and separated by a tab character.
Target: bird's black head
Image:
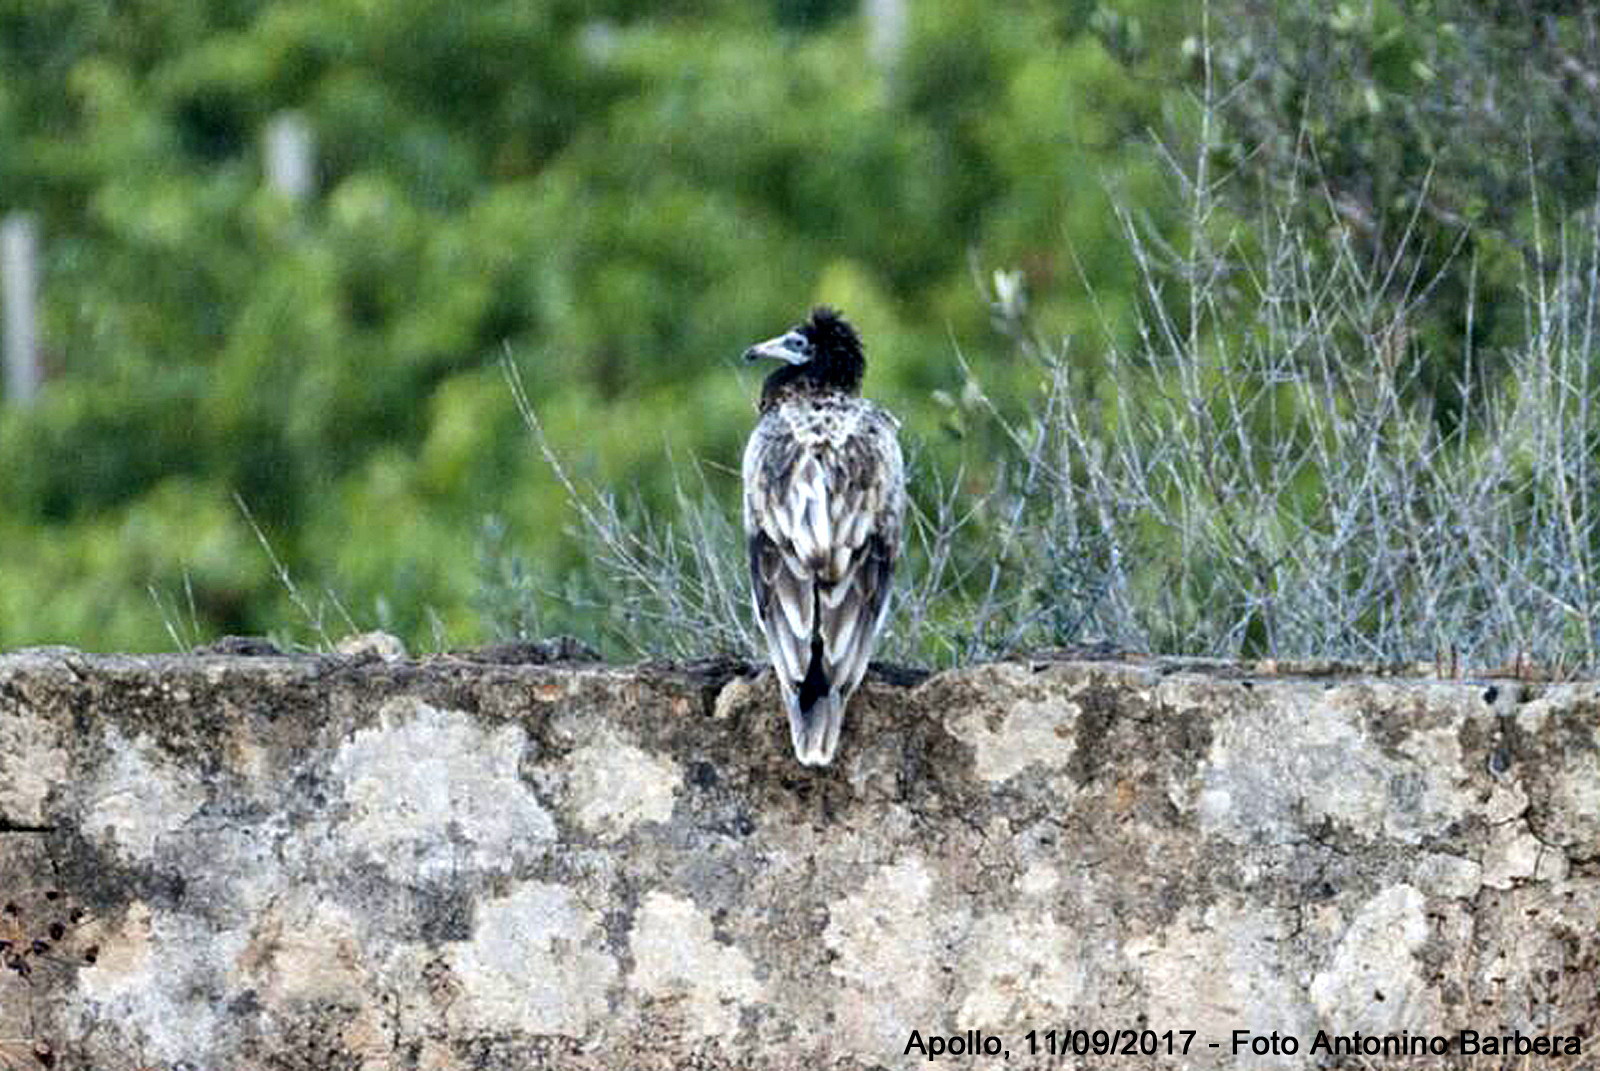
822	354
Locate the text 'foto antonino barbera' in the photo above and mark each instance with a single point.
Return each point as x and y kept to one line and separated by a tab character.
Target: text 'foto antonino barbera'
1464	1042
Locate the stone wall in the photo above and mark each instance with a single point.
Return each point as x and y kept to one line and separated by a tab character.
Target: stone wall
320	862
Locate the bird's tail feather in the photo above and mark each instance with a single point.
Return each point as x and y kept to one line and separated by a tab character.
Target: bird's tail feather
815	730
816	712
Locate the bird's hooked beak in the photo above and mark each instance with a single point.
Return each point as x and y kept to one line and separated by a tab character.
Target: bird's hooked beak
791	346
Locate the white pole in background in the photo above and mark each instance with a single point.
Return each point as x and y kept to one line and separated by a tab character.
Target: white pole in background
19	265
289	155
886	31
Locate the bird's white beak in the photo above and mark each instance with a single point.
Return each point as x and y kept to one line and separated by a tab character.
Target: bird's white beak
790	346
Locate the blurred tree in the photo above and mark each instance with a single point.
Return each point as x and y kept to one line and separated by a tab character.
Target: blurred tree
620	195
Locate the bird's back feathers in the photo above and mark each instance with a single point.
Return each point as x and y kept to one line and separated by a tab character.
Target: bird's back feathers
824	504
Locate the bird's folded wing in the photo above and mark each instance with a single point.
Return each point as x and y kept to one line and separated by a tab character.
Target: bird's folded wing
824	516
784	604
867	508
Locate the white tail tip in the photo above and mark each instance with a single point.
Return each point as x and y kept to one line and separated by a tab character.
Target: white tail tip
815	733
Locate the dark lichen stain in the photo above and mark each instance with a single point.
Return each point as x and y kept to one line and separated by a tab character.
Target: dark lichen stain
1098	707
1473	736
703	775
97	879
1392	727
1185	735
443	913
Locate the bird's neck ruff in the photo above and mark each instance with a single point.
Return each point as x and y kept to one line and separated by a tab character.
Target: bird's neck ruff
801	382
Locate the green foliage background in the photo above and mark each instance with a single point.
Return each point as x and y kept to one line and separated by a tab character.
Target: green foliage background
621	196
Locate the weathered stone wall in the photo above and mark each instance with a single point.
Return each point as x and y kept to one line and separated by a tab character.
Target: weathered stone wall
318	862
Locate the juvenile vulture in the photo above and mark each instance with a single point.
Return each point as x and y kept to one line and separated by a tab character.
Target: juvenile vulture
824	498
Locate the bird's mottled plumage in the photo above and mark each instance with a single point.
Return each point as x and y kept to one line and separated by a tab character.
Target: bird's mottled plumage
824	503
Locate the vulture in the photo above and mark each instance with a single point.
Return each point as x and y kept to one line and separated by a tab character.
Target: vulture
824	505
